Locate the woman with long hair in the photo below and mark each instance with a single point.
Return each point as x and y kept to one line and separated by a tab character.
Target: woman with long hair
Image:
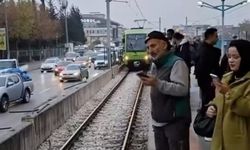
231	106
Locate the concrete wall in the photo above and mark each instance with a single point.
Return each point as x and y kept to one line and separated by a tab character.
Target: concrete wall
32	134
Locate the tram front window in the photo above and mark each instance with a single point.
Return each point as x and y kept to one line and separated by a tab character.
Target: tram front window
135	42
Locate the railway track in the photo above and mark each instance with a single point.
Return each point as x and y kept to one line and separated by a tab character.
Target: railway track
110	124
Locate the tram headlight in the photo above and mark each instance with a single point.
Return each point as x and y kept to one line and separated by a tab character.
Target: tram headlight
126	58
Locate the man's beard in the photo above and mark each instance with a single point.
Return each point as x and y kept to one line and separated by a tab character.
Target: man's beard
153	57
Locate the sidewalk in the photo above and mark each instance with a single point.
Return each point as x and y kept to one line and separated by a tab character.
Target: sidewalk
30	66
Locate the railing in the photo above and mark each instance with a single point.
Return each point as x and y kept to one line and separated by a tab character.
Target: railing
34	55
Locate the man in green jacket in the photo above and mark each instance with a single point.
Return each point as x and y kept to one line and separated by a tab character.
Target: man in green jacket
169	81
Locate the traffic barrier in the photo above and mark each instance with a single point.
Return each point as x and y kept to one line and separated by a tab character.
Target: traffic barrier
39	125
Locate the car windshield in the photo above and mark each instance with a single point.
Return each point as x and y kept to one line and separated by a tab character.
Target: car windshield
135	42
73	67
82	58
63	63
50	61
2	81
7	64
102	57
71	55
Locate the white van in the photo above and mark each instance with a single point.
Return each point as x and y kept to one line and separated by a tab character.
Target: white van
101	61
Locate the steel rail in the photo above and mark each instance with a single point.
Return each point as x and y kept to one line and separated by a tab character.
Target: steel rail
68	144
132	118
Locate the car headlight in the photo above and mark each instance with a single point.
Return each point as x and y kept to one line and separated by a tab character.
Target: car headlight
126	58
61	74
76	73
56	69
146	57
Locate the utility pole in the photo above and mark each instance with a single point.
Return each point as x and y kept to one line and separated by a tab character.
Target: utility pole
108	36
222	27
186	23
64	6
159	23
7	29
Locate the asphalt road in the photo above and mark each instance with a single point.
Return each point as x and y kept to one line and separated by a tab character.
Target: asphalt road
47	88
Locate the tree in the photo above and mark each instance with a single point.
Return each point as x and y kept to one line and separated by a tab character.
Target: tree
52	8
24	23
245	27
75	26
43	5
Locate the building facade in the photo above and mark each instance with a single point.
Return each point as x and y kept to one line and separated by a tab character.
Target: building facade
95	28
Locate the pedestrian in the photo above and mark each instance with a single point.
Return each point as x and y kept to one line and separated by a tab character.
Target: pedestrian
232	101
170	34
207	63
182	48
169	82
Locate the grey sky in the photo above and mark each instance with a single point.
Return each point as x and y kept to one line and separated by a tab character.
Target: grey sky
172	12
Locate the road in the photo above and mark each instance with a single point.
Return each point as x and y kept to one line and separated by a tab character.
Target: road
47	88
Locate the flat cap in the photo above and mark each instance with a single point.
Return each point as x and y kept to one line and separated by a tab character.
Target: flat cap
156	35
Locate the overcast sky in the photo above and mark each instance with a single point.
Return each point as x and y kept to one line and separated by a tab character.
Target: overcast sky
172	12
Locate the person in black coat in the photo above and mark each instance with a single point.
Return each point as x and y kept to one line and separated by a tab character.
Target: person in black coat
182	48
208	62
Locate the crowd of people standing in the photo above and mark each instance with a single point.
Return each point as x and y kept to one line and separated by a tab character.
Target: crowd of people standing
225	96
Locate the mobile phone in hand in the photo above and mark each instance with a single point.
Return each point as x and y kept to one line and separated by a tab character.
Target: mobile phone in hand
214	77
142	74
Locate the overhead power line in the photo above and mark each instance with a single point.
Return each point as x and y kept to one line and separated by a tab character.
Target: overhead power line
138	7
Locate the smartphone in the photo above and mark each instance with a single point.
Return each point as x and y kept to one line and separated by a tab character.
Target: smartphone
214	77
142	74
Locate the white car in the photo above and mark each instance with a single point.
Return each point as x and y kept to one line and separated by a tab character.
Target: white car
49	64
71	56
101	61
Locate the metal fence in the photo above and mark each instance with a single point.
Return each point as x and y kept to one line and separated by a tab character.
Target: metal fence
37	55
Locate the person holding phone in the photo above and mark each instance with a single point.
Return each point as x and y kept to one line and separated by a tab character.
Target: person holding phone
169	82
232	101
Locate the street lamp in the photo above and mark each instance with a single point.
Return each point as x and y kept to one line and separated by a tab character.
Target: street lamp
64	6
6	28
109	33
221	8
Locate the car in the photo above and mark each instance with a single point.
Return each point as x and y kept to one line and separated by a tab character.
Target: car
50	64
61	66
101	61
13	89
91	54
84	61
7	64
74	72
71	56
